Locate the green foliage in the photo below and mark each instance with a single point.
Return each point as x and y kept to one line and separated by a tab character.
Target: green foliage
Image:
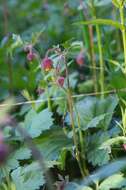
113	141
74	186
96	113
103	22
36	123
28	177
71	125
52	143
118	3
96	155
115	181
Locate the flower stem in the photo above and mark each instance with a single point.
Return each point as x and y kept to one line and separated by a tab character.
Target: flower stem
82	144
47	90
123	34
93	60
49	100
97	185
8	58
88	41
101	61
70	104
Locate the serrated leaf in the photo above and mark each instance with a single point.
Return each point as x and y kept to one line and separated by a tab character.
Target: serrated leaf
20	154
52	143
112	141
95	112
36	123
28	178
95	121
95	155
112	182
75	186
105	171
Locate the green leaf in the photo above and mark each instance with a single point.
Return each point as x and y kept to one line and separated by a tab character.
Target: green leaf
95	112
95	155
52	143
112	182
112	141
105	171
95	121
75	186
103	22
28	178
22	153
36	123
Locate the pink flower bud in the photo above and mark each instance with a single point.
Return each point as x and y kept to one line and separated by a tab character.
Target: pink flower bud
40	91
80	58
47	64
31	56
60	81
124	146
28	48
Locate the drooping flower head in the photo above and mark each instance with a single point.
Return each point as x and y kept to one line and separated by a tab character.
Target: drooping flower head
124	146
47	64
28	48
80	58
31	56
40	91
60	81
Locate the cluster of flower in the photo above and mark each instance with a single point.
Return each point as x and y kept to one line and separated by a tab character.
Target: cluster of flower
46	64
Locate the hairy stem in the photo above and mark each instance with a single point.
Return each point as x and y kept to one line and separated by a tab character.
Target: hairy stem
8	59
93	60
70	104
82	144
88	40
101	60
49	100
122	17
47	90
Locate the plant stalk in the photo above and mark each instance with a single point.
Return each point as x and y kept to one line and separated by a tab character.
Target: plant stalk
101	60
70	104
93	60
82	144
122	18
8	59
88	41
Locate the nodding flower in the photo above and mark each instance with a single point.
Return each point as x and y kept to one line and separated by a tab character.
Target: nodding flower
60	81
40	91
47	64
31	56
124	146
80	58
28	48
